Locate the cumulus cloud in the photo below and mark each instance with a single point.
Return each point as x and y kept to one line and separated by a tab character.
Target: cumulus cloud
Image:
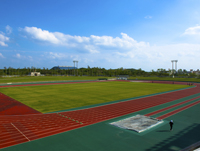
56	38
3	39
43	35
192	31
91	48
8	29
92	44
125	41
116	51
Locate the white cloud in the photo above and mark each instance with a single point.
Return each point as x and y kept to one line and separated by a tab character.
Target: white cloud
43	35
3	39
161	56
124	42
54	55
1	56
91	48
56	38
114	52
8	29
18	55
148	17
23	57
92	44
129	54
192	31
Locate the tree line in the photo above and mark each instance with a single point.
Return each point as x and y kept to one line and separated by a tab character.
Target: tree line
95	71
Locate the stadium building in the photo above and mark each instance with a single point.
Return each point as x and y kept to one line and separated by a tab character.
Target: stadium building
63	68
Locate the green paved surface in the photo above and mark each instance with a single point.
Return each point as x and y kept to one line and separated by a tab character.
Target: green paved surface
104	137
177	107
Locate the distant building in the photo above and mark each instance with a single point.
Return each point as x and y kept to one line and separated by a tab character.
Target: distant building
197	72
35	74
63	68
122	77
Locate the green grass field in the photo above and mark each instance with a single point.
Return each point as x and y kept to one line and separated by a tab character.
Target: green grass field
44	78
76	78
49	98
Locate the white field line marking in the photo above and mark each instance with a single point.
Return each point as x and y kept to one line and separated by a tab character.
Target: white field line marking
19	131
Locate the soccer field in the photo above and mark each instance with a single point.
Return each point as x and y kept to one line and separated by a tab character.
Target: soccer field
49	98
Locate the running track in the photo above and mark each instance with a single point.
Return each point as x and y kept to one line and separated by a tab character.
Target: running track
15	129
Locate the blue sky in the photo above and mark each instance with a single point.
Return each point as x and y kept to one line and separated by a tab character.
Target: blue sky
145	34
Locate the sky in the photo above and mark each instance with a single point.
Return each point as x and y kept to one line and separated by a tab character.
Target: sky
144	34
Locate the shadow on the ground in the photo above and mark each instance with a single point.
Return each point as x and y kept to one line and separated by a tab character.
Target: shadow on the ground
179	140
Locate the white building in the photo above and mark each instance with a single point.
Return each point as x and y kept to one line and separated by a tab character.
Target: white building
35	74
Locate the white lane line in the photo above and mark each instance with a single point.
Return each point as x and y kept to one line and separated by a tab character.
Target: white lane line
19	131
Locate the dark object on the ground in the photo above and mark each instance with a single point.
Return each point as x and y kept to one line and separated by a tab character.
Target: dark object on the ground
171	125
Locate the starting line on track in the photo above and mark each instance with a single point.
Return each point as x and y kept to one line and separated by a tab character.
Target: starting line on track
20	131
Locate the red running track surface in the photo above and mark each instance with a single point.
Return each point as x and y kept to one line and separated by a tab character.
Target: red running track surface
17	129
9	106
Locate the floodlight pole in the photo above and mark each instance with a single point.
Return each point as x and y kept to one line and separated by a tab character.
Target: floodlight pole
173	66
75	62
176	64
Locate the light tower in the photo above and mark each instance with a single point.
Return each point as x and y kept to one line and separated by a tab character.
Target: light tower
176	64
75	62
173	66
